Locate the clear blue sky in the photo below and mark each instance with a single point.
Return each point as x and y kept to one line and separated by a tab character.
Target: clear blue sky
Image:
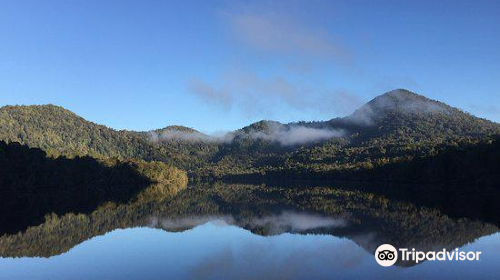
220	65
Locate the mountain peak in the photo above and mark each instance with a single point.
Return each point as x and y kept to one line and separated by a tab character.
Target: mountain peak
43	107
263	125
399	101
407	101
401	92
179	128
404	101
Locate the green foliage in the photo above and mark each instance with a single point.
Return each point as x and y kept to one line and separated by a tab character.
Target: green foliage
60	132
97	179
396	127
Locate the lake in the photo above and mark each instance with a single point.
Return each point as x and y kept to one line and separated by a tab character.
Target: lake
249	232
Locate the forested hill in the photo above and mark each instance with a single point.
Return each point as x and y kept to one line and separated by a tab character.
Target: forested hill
401	113
58	130
61	132
393	127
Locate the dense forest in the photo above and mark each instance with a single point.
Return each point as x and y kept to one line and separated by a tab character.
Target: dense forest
60	132
474	164
435	155
401	164
398	126
33	185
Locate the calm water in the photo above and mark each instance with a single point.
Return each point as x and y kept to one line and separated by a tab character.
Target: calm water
248	232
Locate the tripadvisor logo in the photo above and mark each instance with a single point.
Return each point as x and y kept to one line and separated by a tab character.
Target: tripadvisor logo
387	255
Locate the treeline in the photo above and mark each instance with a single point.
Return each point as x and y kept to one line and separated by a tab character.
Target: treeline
58	131
396	137
463	180
32	184
467	163
376	135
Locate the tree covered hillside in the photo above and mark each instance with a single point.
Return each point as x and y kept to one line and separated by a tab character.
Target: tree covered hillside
394	127
61	132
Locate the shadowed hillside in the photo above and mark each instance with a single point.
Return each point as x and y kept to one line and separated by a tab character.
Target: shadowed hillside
33	185
463	180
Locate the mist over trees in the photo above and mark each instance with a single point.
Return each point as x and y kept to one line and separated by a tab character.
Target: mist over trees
395	127
61	173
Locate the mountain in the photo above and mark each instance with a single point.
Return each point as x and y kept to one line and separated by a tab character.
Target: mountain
397	113
403	113
396	126
404	101
178	132
61	132
178	129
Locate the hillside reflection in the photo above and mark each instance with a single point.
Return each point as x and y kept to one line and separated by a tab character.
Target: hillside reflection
365	218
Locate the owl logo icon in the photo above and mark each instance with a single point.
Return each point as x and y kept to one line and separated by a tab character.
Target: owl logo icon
386	255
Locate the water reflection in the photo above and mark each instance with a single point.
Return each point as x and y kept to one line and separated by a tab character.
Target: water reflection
275	224
216	250
241	232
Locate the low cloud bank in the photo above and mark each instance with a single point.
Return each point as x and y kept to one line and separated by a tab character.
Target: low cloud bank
259	95
286	135
295	134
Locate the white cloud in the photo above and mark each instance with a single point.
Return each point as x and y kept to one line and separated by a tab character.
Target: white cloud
288	87
295	134
285	135
279	33
256	95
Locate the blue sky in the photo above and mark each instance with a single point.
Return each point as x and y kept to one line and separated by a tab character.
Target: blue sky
220	65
